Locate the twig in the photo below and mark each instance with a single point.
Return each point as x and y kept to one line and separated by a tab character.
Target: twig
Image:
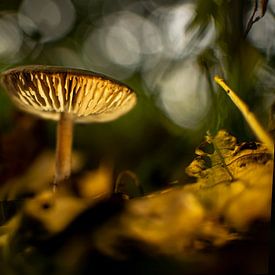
255	125
132	176
253	19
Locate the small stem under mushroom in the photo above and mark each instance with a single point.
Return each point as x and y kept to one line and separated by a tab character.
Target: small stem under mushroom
64	141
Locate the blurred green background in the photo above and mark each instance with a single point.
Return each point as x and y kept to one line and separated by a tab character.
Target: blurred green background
167	51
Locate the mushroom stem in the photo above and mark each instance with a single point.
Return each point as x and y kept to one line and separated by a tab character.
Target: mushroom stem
64	141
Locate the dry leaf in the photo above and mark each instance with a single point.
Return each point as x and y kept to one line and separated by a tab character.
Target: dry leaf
229	195
233	190
35	179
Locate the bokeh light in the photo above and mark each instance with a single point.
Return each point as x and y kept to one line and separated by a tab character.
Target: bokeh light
122	40
95	57
46	20
262	32
11	37
128	41
122	47
178	38
184	94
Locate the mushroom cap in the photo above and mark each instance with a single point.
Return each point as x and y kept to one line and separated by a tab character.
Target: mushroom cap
47	91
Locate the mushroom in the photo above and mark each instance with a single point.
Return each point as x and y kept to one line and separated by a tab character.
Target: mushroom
67	96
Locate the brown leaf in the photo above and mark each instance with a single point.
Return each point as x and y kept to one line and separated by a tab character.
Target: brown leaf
227	159
185	219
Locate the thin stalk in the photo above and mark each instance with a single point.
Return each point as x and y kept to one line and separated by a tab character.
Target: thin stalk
252	121
63	157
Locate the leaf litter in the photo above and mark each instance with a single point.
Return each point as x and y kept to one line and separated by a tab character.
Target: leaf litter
233	189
